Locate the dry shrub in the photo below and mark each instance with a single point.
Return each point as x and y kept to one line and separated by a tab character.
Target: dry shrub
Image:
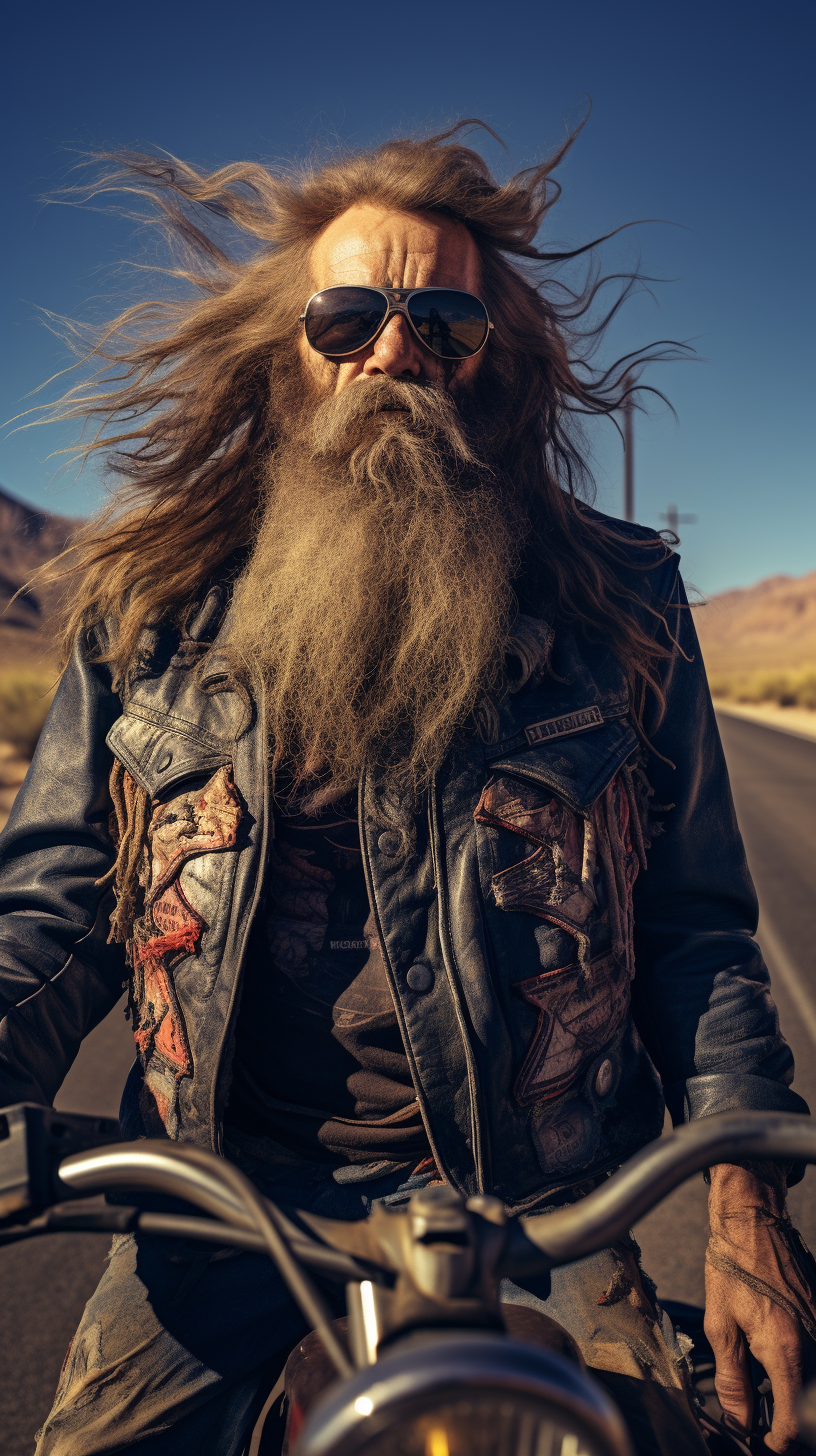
25	698
786	689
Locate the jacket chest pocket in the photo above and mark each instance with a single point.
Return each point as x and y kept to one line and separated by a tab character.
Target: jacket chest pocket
177	797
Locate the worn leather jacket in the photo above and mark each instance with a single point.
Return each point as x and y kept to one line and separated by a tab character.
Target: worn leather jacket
567	923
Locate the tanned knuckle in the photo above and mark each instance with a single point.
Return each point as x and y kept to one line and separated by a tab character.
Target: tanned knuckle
785	1346
715	1328
729	1384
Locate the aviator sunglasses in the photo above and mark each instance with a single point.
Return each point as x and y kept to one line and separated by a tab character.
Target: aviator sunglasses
451	323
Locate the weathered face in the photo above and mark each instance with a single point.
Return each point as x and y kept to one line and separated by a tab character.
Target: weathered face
378	598
372	246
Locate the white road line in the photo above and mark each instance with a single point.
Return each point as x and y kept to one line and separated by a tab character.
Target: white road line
788	974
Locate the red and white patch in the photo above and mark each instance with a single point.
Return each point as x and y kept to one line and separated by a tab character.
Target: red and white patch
194	823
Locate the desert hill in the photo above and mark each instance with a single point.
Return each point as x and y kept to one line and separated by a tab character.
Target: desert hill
768	627
28	538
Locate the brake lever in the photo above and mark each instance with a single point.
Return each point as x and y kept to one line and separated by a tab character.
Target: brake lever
72	1218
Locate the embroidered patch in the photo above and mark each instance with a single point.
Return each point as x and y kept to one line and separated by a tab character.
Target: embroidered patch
517	806
556	881
560	727
576	872
196	822
578	1014
161	1025
173	915
564	1136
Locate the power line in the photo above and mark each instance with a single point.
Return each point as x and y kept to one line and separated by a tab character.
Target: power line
673	519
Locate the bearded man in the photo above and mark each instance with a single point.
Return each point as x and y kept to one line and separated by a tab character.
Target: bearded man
385	773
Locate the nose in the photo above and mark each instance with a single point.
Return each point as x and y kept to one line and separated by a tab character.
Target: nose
395	351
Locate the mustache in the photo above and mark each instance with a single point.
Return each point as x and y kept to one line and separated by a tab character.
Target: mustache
382	410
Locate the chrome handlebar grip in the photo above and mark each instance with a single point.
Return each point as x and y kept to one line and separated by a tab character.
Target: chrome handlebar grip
156	1166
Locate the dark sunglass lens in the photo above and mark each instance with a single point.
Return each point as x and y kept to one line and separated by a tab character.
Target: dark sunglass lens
340	320
453	324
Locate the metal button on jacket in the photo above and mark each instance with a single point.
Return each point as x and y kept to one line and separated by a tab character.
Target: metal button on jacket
164	762
419	977
563	766
390	842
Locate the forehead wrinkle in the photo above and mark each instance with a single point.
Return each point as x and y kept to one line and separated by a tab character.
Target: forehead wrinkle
395	253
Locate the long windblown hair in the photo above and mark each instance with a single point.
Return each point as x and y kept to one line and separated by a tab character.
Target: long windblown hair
184	396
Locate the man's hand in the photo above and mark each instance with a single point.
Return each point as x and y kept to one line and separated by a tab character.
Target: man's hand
760	1295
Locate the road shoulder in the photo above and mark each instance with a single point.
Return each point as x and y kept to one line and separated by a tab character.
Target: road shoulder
800	722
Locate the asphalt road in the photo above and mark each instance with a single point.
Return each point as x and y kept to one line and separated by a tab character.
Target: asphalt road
45	1283
773	777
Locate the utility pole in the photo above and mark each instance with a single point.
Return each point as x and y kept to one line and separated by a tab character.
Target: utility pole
627	409
673	519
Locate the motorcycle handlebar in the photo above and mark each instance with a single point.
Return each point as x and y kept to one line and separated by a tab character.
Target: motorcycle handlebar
591	1224
533	1244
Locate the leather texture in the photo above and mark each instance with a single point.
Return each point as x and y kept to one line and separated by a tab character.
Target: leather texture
539	1059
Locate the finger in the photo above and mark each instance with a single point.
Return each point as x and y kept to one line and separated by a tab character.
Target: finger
732	1377
780	1352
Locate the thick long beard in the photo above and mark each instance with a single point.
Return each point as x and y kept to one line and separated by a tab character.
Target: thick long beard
379	596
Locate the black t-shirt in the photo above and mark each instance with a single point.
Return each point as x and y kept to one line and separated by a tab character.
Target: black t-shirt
320	1064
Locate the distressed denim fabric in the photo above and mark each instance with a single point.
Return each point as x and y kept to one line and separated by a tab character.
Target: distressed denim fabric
180	1342
608	1305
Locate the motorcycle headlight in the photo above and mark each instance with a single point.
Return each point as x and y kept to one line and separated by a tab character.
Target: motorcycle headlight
473	1395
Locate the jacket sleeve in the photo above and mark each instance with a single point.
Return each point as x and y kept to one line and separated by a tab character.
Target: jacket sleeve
702	992
58	977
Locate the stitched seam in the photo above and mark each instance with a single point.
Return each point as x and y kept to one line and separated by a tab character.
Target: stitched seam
46	980
205	950
176	724
180	767
612	710
601	781
480	1150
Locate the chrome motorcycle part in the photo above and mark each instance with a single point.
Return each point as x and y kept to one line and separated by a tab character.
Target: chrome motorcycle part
465	1395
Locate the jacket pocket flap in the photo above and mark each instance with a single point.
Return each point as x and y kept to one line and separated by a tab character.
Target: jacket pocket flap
158	757
577	770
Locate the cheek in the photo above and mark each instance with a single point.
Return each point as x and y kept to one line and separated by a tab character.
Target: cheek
319	371
345	373
464	374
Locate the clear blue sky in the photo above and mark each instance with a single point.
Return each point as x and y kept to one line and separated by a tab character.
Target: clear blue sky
702	115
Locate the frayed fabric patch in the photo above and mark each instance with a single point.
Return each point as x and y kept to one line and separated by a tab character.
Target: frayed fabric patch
194	823
578	875
578	1014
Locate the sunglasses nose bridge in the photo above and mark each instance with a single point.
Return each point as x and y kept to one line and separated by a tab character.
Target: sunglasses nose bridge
401	343
394	310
